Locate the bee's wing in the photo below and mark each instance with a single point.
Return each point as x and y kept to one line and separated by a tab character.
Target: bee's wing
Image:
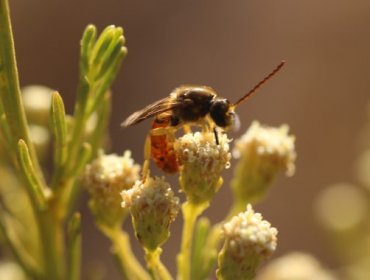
156	108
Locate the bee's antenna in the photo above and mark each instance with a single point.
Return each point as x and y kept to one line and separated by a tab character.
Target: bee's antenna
253	90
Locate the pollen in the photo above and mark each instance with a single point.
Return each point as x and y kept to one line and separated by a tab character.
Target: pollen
202	162
108	175
248	232
153	207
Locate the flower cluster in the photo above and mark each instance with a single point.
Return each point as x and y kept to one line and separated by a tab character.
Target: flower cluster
263	152
105	178
202	161
272	146
248	240
153	207
293	266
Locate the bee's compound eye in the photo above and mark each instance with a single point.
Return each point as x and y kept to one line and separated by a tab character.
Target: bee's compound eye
219	112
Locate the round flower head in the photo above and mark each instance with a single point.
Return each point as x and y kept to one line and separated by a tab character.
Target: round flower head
202	162
263	152
153	208
342	207
105	178
248	240
37	102
295	266
11	270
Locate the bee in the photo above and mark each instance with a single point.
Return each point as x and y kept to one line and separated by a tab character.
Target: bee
186	106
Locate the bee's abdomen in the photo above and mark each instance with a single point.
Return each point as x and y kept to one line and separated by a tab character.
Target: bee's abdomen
162	150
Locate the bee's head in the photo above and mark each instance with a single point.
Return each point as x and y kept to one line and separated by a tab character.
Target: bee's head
222	113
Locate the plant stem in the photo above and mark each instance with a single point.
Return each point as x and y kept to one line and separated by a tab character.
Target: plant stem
239	205
51	233
10	93
190	213
156	268
121	249
74	247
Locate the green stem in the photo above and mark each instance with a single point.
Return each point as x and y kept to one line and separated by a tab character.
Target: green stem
190	213
214	238
156	268
239	205
121	249
74	247
10	92
52	240
97	138
77	137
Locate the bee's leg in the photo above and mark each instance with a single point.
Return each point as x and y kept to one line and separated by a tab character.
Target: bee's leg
159	131
186	128
147	152
216	136
207	125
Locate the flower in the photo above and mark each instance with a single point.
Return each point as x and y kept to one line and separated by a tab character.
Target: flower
293	266
202	161
153	207
11	270
104	179
263	152
37	102
342	207
248	240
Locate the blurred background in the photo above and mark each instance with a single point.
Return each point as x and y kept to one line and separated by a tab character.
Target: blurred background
322	92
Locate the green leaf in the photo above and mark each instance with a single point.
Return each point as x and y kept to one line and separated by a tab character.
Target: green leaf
87	43
109	77
10	93
35	187
5	135
110	57
59	128
102	44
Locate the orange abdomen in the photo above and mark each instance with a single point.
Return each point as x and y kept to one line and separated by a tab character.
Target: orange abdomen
162	150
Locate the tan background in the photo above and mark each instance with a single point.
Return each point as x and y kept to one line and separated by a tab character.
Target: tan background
322	92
